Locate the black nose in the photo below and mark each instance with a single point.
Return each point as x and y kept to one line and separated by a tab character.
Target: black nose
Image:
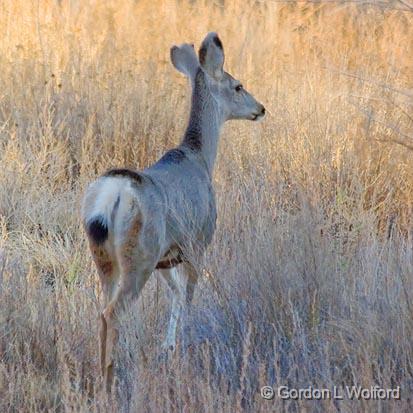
263	111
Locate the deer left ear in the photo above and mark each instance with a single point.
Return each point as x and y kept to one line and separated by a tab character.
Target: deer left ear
184	59
211	56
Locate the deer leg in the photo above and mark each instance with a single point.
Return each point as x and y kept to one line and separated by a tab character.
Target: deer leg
129	288
192	280
177	285
109	291
109	278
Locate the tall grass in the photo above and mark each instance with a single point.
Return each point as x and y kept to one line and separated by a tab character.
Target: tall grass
309	278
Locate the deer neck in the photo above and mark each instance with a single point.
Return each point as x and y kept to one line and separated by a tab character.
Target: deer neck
205	122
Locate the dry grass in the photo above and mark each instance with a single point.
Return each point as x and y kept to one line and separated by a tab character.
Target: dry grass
311	268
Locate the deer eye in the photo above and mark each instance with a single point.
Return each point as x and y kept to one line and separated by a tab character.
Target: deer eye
238	88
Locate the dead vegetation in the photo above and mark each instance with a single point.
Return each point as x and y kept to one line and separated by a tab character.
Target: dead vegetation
311	270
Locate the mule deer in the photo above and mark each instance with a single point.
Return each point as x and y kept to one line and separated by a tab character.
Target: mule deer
137	222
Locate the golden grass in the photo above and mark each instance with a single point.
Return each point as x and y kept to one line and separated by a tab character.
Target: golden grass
311	266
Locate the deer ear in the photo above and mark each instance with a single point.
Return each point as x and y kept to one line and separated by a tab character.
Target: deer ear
184	59
211	56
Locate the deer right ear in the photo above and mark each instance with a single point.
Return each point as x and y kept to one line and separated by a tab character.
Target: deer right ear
184	59
211	56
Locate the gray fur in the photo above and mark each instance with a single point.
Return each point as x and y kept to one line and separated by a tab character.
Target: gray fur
173	156
211	56
185	60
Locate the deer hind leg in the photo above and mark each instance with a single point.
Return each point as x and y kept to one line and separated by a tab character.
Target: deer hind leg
109	278
130	286
135	267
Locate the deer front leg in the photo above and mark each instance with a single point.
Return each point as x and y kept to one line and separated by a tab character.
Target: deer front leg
181	284
177	285
192	280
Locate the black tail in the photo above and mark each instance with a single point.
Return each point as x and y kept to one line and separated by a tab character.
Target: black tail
98	230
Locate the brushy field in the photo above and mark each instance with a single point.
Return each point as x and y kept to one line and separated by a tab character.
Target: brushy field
309	280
